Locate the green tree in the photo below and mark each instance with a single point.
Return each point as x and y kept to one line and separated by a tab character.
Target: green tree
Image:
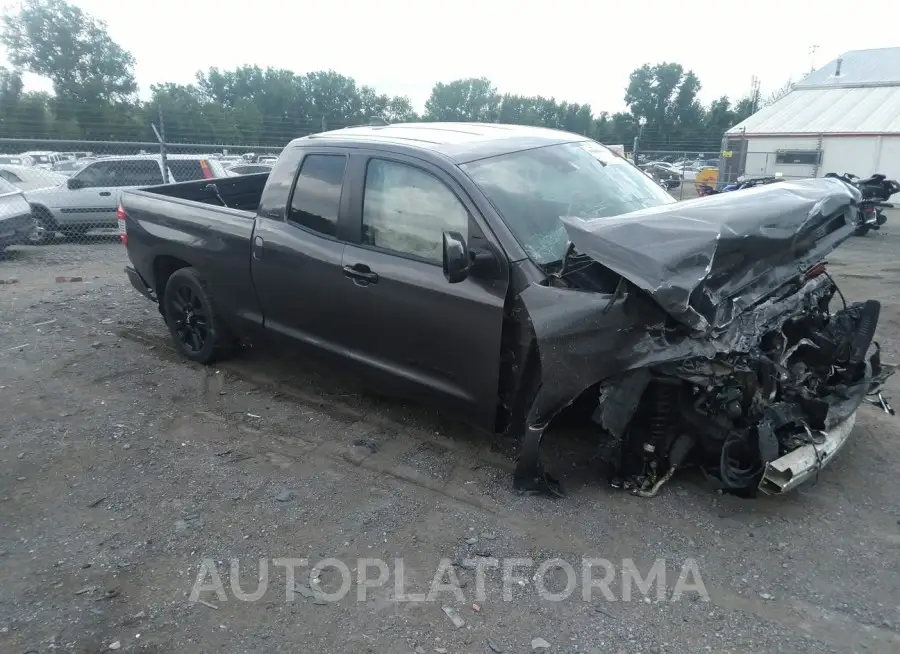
90	72
665	96
720	116
473	99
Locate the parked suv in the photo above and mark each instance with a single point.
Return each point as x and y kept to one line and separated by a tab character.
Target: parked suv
89	198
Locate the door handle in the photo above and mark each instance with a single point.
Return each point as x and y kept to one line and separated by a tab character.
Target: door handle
105	193
361	273
258	247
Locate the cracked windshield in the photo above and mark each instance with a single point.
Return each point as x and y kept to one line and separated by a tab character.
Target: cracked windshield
531	189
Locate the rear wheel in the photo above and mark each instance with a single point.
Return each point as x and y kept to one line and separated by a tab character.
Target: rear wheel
190	313
861	230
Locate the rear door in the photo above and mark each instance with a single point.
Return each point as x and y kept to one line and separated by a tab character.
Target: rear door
296	252
426	336
95	204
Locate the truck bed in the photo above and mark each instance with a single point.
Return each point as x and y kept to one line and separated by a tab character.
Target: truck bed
178	225
242	193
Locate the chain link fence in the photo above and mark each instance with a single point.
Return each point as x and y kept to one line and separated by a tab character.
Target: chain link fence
683	172
73	187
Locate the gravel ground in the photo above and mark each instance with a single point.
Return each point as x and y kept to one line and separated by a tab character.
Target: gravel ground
124	468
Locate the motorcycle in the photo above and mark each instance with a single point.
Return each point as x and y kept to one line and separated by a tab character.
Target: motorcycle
876	191
741	184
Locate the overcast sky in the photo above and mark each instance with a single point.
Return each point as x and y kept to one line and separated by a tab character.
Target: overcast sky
579	51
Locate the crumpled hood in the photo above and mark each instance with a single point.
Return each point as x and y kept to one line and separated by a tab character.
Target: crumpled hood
705	261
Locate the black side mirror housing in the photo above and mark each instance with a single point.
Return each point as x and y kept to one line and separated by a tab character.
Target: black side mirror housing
74	183
456	257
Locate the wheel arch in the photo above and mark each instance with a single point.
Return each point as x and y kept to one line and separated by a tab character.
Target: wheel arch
38	208
164	266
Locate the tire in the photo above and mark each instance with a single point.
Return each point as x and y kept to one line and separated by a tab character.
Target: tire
861	230
44	228
194	324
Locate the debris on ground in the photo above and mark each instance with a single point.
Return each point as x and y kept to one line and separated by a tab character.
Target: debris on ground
451	613
285	496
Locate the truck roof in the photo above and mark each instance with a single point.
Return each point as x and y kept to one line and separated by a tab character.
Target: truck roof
460	142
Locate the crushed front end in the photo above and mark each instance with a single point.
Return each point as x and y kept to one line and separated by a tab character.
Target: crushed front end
768	418
707	332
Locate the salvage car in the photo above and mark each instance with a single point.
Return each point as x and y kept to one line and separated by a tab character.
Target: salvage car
16	222
516	274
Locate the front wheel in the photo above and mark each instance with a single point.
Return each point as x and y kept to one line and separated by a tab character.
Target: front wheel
861	230
190	313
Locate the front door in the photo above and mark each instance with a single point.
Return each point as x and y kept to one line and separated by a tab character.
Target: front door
424	334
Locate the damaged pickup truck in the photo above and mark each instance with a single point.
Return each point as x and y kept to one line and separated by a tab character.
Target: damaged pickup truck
515	274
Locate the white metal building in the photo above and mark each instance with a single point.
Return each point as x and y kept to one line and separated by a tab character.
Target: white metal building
844	117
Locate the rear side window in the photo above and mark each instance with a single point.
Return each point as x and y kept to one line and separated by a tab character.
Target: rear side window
127	172
139	173
185	170
6	187
317	193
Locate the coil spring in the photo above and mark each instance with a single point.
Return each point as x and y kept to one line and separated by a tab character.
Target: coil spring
662	411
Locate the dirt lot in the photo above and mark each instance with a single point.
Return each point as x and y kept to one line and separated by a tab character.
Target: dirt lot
123	468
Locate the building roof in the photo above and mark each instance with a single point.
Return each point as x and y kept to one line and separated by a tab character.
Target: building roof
863	99
828	111
879	67
460	142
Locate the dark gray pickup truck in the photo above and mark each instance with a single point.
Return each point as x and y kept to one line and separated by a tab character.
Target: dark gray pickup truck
514	275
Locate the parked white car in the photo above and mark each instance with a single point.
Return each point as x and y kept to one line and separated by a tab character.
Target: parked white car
89	198
16	160
43	158
28	178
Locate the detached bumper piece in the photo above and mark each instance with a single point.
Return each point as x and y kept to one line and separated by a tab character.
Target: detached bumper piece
804	463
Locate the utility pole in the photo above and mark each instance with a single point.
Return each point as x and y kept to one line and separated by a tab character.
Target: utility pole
754	93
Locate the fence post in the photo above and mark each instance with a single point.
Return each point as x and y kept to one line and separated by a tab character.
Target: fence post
161	137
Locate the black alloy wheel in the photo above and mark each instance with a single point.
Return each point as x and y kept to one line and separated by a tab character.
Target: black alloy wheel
190	314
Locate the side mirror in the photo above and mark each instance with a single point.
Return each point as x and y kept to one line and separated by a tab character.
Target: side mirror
74	183
456	257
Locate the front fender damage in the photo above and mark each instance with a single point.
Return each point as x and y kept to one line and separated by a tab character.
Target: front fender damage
735	400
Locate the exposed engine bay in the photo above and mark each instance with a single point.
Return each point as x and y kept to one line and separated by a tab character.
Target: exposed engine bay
736	413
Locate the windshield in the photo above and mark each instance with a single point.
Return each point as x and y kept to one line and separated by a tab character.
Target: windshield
533	188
